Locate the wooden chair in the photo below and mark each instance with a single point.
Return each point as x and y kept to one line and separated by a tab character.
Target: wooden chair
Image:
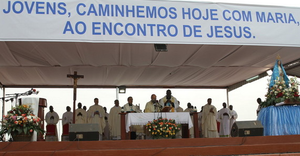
65	134
51	130
51	133
66	129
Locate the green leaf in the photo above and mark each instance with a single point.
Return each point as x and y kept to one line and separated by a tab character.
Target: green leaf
9	131
19	130
25	130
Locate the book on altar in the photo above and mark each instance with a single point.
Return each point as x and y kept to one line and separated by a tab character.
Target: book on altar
166	109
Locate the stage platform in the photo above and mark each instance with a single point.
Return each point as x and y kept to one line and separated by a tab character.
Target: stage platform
258	145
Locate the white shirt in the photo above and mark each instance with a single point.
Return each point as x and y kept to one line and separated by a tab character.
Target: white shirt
67	118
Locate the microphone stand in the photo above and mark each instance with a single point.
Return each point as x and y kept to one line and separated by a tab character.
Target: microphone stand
156	107
155	110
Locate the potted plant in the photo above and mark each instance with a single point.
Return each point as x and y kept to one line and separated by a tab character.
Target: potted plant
163	128
21	122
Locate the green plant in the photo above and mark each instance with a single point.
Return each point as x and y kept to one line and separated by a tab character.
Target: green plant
163	128
20	120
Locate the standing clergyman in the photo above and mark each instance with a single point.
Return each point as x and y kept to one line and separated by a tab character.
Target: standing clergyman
80	115
209	122
96	115
52	118
114	121
224	118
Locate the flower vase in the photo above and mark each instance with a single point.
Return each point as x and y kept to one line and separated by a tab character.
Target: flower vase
21	137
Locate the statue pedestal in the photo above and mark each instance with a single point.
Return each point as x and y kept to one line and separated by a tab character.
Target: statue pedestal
280	120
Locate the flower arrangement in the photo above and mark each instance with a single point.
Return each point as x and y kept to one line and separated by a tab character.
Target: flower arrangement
21	120
163	128
292	93
280	93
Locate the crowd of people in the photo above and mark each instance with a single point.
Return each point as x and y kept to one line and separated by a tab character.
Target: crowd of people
212	123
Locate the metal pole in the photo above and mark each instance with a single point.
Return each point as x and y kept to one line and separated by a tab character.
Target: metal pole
117	93
227	97
3	110
3	106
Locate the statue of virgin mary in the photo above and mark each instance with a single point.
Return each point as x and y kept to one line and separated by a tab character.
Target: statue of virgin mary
279	72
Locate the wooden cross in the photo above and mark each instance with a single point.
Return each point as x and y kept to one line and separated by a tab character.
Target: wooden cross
75	77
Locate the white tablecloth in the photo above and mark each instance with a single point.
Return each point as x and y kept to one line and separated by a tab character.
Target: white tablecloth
144	118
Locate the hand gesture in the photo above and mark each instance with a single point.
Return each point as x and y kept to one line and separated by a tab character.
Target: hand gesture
96	113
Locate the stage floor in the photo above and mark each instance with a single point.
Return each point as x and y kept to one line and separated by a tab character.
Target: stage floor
258	145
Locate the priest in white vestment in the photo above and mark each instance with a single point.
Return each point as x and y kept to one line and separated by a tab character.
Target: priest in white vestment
52	118
130	107
224	118
80	115
106	129
179	109
190	109
169	101
209	122
153	105
136	130
96	115
234	116
67	119
114	121
67	116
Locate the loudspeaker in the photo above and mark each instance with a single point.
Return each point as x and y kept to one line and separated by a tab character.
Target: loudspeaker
84	132
160	47
247	128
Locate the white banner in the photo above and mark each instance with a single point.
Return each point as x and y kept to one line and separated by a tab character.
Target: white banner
145	21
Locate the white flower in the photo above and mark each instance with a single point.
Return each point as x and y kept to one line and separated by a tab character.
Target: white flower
29	118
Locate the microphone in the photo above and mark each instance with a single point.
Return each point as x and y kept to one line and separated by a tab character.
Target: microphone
154	102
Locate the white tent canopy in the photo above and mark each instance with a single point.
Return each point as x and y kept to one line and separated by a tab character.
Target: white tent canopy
111	43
